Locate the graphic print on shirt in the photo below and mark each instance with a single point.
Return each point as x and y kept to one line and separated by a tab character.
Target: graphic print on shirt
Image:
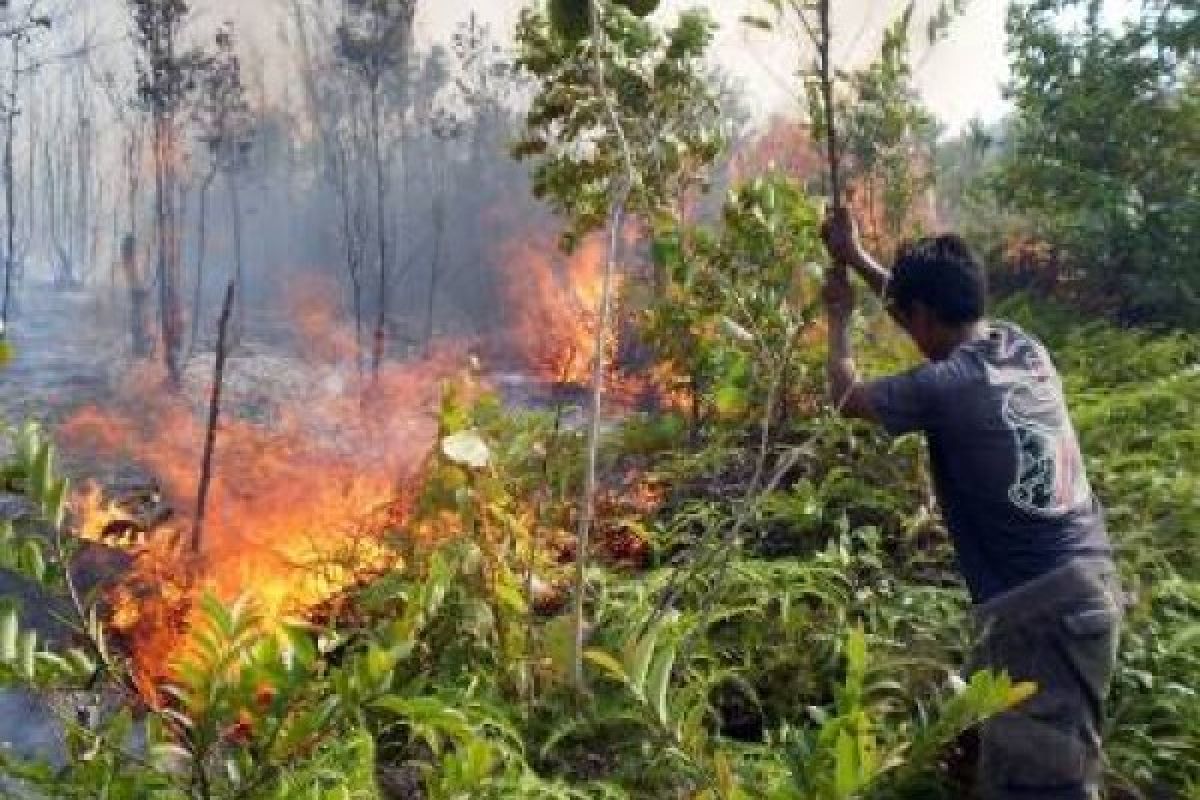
1050	479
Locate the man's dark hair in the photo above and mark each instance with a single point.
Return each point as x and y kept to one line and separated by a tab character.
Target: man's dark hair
942	274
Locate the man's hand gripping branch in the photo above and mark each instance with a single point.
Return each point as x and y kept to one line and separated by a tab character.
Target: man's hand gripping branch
846	392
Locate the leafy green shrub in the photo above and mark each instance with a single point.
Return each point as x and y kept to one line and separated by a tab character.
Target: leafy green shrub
738	298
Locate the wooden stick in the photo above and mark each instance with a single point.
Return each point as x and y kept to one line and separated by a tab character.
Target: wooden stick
214	413
833	154
832	151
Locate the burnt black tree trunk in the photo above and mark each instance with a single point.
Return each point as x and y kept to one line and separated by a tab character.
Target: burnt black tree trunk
214	415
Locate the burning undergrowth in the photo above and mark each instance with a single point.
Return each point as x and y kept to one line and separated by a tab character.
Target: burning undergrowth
552	302
313	469
315	463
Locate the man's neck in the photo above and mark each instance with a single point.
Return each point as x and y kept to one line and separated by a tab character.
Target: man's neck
957	337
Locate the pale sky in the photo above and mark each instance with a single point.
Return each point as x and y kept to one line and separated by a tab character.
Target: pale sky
961	78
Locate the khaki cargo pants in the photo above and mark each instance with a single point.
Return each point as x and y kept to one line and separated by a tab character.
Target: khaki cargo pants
1060	632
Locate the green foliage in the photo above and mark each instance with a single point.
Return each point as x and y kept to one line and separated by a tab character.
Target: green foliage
850	755
1155	709
827	672
737	297
34	549
1103	147
666	112
571	19
887	138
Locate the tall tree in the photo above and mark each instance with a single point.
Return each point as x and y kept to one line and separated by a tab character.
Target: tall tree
1104	145
440	126
375	40
127	243
334	108
20	34
888	135
623	121
486	82
166	77
227	127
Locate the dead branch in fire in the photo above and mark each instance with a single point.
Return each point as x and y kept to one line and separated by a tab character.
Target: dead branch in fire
214	414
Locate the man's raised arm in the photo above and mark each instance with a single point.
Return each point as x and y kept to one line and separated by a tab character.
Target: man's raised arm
846	393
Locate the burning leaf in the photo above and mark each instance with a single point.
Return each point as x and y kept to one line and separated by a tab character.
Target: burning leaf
467	449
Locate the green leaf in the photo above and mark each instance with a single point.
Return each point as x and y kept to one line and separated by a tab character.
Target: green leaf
33	563
638	661
608	663
80	663
40	476
54	505
9	628
856	667
660	682
762	23
846	770
26	651
735	331
731	400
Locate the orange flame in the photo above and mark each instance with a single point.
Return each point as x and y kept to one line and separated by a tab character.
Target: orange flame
553	302
299	504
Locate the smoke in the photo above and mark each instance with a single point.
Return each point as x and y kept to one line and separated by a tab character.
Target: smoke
960	78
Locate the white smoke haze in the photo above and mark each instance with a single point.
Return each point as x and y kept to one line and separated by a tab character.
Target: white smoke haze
960	78
86	76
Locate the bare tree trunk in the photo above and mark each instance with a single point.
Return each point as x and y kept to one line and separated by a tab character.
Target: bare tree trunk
352	239
201	253
138	297
825	70
31	192
239	277
439	229
214	414
52	200
164	215
380	344
138	293
620	196
10	216
490	316
84	222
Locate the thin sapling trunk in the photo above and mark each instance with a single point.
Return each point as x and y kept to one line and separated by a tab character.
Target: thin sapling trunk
214	413
622	187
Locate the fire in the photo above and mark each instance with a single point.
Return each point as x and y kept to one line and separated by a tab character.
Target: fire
302	496
553	302
785	146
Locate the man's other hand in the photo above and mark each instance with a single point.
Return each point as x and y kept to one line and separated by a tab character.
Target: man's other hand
840	234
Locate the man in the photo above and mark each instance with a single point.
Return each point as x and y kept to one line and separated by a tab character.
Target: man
1028	533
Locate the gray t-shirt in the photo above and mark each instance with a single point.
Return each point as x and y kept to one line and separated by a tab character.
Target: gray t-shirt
1006	461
